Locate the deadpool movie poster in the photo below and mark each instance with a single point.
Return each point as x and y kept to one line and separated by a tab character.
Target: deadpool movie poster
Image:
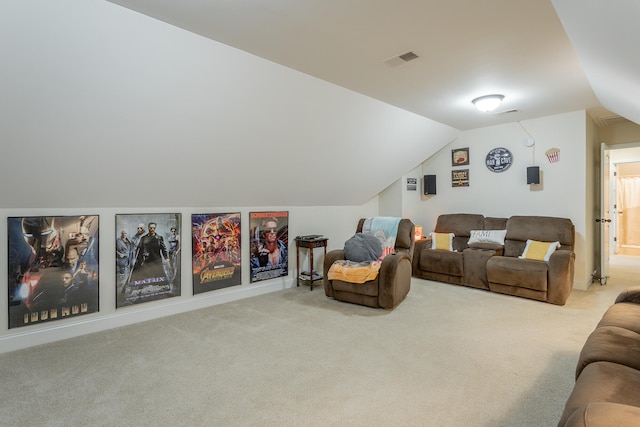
269	245
147	253
216	251
53	268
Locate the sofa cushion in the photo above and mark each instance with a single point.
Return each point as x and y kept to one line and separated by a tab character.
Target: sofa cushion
491	223
623	314
540	251
369	288
517	272
605	414
540	228
459	224
610	344
443	241
444	262
603	382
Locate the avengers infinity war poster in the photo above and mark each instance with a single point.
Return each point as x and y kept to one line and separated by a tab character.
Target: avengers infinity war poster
269	245
216	251
148	249
53	268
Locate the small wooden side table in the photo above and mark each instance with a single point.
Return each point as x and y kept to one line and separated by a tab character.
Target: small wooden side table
310	243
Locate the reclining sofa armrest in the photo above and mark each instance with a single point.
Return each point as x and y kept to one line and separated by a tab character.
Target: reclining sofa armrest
417	250
629	295
329	259
560	280
394	279
604	414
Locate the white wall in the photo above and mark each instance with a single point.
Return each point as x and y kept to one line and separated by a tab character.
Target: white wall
592	180
562	192
390	200
110	107
335	223
104	110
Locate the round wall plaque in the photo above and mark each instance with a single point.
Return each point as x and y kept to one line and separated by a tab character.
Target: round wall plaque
499	159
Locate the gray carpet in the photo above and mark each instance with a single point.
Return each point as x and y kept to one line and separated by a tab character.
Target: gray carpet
447	356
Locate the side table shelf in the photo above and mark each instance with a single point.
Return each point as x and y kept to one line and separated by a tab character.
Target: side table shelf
310	243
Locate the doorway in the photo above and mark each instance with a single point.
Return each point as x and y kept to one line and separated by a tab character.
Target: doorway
624	196
628	206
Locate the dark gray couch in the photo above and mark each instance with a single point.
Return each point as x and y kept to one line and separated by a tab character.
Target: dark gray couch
495	267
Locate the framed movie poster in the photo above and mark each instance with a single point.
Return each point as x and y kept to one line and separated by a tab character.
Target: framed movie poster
269	245
53	268
215	240
148	248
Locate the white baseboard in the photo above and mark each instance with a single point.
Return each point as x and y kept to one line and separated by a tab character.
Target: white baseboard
96	322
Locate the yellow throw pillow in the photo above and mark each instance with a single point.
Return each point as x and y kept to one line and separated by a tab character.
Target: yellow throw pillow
442	241
540	251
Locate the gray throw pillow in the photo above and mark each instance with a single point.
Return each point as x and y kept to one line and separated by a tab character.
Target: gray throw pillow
362	248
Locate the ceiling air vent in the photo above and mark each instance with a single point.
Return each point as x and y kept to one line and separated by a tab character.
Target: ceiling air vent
612	120
406	57
403	58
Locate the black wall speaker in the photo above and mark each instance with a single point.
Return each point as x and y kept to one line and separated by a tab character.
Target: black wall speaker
429	184
533	175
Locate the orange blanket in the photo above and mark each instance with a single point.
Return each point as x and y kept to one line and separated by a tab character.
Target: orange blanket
353	272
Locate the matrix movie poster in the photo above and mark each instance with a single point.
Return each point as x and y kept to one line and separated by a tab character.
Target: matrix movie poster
53	268
216	251
148	251
269	245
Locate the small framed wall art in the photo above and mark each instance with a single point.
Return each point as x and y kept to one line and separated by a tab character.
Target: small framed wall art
460	156
460	178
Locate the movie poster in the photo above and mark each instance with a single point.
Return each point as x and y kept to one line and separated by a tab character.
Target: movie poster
269	245
216	251
53	268
148	251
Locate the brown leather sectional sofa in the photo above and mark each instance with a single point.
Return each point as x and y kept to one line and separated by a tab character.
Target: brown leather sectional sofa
497	267
607	389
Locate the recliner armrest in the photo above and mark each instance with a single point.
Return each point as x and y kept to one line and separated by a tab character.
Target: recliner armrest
329	259
395	273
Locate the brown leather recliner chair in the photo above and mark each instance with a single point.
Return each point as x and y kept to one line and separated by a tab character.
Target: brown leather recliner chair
394	279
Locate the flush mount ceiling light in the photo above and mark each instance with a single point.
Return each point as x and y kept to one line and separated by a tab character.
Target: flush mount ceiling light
488	103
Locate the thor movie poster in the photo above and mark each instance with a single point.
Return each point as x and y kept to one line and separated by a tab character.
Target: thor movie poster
216	251
148	251
269	245
53	268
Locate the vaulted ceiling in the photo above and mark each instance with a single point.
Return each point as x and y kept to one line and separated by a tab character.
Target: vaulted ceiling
147	86
546	57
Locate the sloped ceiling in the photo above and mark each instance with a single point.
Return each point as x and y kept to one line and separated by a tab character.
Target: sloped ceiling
83	91
105	107
605	36
464	48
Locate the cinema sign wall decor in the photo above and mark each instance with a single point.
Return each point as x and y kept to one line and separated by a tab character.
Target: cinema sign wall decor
499	160
460	178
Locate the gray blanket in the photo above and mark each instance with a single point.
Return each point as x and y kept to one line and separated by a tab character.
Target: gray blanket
362	248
